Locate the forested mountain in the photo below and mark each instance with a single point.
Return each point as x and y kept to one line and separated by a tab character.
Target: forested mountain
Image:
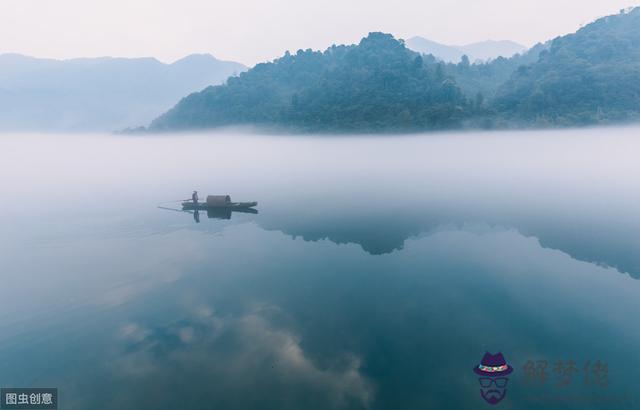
98	94
378	84
483	50
487	78
590	77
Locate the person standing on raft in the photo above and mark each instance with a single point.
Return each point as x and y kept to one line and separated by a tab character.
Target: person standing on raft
194	197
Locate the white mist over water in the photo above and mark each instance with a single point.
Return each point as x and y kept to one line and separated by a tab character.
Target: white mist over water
570	167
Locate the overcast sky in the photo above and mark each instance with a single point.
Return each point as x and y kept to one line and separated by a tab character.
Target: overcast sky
250	31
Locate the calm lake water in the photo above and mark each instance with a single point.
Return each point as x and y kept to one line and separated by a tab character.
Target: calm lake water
376	273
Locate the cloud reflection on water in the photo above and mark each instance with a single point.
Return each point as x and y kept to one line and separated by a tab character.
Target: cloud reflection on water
233	362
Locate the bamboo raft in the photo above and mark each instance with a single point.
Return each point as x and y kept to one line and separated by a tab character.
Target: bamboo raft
218	202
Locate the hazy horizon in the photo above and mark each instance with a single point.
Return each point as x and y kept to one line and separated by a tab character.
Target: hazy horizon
250	32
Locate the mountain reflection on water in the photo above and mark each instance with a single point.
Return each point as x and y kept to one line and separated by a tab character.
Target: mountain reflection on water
375	274
380	231
613	246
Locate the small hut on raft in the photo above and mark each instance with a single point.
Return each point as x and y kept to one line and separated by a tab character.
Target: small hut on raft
218	200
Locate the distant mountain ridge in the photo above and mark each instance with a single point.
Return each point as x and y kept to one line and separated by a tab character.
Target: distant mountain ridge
483	50
98	94
379	85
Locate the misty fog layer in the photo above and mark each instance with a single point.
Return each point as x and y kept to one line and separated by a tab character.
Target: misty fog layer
98	94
